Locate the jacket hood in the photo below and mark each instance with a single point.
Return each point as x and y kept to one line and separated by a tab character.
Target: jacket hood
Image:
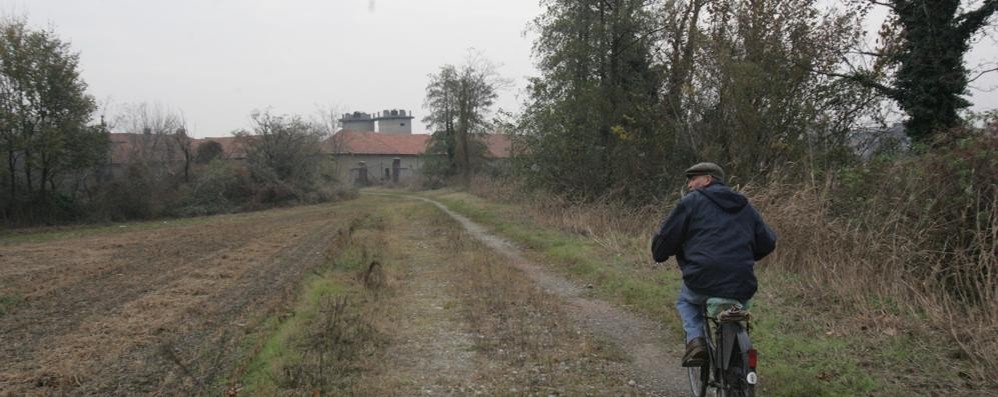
724	197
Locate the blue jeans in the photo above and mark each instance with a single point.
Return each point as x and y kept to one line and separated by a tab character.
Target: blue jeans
690	305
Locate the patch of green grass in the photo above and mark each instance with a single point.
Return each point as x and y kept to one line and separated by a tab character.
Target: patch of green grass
797	357
353	257
9	302
279	350
283	341
650	291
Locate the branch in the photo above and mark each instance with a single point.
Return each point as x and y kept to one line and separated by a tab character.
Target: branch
982	73
865	81
868	53
884	4
971	21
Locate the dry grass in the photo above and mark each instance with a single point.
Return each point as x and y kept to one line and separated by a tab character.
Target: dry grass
608	223
876	270
887	276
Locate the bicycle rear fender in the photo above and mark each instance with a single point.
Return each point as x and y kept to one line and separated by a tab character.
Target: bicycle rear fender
731	332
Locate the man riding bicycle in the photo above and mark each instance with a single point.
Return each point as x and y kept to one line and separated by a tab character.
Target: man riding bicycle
716	237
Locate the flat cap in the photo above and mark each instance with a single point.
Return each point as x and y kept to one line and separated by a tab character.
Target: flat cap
711	169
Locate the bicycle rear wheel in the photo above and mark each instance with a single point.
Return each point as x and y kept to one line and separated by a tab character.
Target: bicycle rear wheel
699	377
735	382
746	391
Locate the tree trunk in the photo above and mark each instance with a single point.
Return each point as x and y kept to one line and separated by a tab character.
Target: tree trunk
12	167
187	166
42	192
27	172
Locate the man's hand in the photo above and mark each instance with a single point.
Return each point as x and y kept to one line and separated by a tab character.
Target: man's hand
655	265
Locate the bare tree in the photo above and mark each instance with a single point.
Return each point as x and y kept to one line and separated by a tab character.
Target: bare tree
159	141
327	117
283	154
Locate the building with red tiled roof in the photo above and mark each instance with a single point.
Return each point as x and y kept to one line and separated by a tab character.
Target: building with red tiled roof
362	142
127	148
365	157
497	145
360	155
233	148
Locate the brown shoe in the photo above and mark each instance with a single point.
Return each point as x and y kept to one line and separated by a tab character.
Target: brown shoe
696	353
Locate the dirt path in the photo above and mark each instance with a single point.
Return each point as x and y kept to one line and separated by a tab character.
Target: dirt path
655	357
151	312
461	321
432	353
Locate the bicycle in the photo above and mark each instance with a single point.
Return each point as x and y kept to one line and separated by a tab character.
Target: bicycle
731	360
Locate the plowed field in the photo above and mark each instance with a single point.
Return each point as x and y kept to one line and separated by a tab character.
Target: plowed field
150	308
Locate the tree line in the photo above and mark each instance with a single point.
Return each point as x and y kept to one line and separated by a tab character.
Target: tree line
631	91
58	152
779	93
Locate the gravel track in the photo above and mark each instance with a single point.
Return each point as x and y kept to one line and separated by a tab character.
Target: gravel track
655	361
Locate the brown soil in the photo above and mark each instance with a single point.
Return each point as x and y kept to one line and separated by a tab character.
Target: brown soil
156	311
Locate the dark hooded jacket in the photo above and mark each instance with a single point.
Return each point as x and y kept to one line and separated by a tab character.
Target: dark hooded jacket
716	237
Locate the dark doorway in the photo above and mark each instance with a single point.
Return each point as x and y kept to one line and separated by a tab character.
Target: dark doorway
362	174
396	168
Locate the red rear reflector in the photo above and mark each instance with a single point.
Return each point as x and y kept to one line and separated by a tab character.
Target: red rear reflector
752	358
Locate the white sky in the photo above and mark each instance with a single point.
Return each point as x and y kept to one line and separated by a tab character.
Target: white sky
218	60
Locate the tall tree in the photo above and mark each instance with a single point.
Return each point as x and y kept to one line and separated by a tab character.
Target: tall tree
44	112
925	41
755	100
630	91
592	116
459	101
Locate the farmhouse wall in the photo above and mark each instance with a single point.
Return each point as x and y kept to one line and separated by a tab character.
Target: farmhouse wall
380	167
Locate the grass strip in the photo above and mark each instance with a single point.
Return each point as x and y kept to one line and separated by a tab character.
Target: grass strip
264	374
314	346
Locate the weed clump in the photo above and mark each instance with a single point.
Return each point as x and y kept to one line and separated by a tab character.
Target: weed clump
329	339
331	347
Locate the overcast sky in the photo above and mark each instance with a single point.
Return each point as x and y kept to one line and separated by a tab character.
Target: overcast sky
216	61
